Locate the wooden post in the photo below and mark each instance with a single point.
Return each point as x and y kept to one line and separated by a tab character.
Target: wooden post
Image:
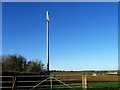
14	83
84	82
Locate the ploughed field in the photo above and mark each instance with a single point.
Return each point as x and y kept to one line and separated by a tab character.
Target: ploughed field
103	78
77	76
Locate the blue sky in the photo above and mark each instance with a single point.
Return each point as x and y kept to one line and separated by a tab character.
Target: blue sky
83	36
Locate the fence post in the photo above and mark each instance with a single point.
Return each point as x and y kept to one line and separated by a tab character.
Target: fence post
14	83
84	82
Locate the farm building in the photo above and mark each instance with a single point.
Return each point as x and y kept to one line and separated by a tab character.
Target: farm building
112	73
94	74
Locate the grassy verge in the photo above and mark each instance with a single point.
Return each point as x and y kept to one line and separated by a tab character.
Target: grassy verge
94	85
104	85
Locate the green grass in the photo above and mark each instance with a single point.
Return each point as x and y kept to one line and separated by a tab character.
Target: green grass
73	85
104	84
107	85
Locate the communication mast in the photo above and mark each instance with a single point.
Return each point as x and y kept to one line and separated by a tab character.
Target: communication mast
47	41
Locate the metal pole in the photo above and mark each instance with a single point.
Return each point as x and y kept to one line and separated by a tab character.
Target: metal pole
47	42
51	82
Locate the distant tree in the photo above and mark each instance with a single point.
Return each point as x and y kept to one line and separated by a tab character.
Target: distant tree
19	63
35	66
13	63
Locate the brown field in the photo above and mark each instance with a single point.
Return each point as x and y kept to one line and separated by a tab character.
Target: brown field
90	78
77	76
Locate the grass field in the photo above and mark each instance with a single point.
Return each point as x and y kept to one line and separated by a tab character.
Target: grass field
93	85
103	85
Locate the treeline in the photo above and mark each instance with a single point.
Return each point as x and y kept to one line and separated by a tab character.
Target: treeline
18	63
